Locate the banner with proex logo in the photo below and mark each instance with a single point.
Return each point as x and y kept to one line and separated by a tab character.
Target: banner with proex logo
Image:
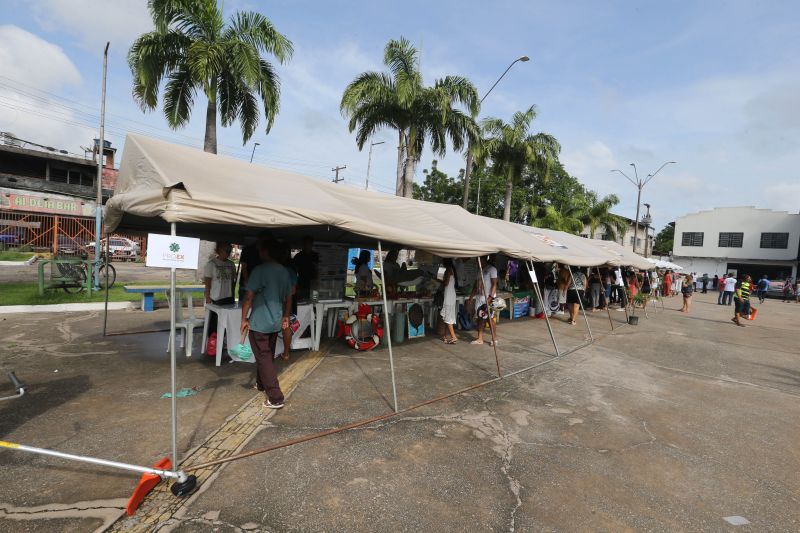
168	251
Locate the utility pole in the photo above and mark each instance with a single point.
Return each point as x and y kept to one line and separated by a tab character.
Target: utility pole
337	179
98	216
369	162
639	183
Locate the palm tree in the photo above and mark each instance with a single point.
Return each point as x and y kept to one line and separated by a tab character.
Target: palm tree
193	49
598	215
512	149
399	100
568	219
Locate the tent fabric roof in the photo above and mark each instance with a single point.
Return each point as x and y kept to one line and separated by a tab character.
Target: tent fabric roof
214	197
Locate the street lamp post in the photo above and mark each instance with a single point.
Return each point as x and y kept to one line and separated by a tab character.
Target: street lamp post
254	151
369	162
468	168
639	183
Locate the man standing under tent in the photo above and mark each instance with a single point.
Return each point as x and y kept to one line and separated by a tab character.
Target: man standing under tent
489	285
249	260
270	298
305	264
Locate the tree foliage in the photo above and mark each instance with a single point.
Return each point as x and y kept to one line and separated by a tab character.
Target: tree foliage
193	49
399	100
664	240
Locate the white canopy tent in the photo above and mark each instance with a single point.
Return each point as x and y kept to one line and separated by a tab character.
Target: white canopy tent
162	185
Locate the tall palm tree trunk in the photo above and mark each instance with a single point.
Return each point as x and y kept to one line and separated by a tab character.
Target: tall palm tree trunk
408	179
467	175
507	200
399	186
210	144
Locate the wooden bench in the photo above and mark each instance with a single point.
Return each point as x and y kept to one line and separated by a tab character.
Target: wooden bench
148	292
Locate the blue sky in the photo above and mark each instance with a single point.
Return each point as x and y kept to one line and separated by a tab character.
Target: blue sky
711	85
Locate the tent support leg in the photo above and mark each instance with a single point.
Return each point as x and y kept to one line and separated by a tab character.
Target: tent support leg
491	320
544	309
105	307
387	327
580	302
608	311
172	360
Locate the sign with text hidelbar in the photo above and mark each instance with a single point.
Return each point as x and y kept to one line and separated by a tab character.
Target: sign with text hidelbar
168	251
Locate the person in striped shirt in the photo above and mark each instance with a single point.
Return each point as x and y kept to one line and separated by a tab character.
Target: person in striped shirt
742	300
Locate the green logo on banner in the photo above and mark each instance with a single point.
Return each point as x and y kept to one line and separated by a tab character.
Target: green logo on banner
174	247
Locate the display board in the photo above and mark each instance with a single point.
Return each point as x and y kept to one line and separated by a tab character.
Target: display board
332	270
169	251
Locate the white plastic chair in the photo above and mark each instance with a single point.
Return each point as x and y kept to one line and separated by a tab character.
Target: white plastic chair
185	325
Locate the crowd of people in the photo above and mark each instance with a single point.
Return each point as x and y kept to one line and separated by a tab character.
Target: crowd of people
271	282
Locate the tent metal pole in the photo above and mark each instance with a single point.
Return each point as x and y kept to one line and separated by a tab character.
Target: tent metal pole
624	296
387	327
608	311
544	309
105	307
580	302
491	321
172	360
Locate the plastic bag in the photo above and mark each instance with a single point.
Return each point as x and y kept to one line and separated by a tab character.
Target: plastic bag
211	347
242	351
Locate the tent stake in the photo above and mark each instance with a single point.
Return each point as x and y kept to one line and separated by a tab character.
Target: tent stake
580	302
544	309
387	327
489	313
172	360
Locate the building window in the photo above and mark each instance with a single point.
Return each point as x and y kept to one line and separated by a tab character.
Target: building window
692	238
605	237
730	239
58	175
775	240
71	176
585	235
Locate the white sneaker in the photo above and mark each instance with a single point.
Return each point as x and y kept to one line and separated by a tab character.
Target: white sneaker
560	312
269	405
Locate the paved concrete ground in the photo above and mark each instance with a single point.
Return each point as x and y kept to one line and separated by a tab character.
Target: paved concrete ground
671	425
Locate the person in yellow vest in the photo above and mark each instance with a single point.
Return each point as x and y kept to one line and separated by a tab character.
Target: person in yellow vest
742	300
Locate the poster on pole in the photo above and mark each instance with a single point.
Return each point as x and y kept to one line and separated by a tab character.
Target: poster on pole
169	251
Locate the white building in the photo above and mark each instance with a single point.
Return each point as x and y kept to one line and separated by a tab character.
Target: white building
627	239
742	240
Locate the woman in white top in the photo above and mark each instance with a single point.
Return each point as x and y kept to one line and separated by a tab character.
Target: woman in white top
448	312
219	276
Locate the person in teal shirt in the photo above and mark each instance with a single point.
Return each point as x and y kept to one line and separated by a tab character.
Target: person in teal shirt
265	312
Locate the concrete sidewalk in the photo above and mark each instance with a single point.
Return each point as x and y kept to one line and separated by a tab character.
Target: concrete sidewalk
674	424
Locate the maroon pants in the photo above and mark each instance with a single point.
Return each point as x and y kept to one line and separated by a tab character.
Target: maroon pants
263	345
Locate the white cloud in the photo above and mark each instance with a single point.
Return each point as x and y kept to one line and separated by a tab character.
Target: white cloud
28	62
594	158
94	23
34	61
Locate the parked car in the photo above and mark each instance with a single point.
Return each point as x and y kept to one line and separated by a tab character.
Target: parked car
9	238
121	248
71	246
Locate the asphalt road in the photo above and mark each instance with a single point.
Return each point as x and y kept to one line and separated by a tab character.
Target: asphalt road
682	423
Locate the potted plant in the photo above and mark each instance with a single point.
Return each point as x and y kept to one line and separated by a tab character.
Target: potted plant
639	300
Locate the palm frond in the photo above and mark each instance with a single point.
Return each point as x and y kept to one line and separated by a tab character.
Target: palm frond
178	98
256	30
